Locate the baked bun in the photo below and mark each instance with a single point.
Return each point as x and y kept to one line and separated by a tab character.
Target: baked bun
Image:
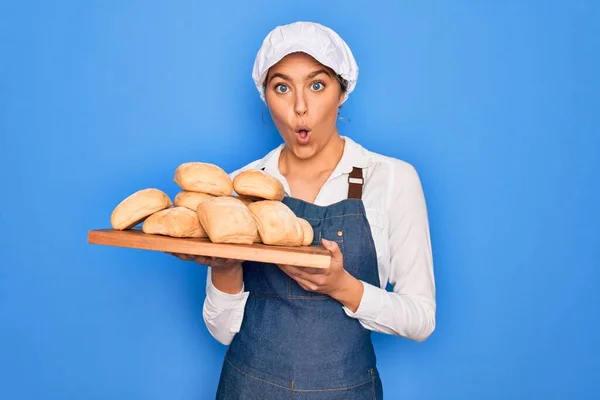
190	200
308	232
277	224
204	178
138	206
175	222
227	220
257	184
244	199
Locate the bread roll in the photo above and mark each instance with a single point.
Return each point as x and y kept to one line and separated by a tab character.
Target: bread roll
255	183
247	201
227	219
277	224
137	207
175	222
308	232
257	238
244	199
190	200
204	178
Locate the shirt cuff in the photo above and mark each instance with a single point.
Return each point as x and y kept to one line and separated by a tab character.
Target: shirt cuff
222	300
370	304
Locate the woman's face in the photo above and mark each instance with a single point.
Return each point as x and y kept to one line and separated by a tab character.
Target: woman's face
303	98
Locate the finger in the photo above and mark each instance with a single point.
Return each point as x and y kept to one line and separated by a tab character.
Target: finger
306	270
184	257
221	259
285	268
226	262
306	281
229	261
202	260
312	280
336	255
293	273
221	262
291	270
306	284
315	271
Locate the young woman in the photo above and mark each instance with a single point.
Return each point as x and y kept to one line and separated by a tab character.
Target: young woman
302	333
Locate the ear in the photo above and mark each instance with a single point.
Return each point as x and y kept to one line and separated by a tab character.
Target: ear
341	98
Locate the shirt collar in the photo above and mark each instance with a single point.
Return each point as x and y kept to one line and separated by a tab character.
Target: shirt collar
354	155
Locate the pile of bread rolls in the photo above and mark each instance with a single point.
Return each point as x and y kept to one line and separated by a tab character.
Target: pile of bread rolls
206	207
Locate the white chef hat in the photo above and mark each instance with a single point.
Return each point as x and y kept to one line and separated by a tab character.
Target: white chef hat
319	41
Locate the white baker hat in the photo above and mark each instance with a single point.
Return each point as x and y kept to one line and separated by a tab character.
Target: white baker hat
319	41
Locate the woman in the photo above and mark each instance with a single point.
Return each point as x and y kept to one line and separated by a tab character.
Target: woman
302	333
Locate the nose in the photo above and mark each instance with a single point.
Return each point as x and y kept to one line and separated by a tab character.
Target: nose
300	105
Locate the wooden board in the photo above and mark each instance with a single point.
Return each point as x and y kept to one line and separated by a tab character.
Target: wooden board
304	256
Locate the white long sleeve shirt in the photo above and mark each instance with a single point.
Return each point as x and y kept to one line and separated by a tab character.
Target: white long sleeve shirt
397	214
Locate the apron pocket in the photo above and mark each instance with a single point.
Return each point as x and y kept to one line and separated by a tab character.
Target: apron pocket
378	231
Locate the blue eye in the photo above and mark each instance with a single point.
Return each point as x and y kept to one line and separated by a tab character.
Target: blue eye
281	88
317	86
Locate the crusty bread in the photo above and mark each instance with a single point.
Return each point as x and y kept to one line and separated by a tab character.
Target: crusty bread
277	224
307	230
244	199
227	219
190	200
204	178
175	222
258	184
256	238
247	201
138	206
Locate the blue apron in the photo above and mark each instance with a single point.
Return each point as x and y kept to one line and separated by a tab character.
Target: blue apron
295	344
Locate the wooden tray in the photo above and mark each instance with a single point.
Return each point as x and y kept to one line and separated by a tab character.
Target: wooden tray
305	256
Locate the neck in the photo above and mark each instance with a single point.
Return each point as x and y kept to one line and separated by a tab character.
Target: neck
322	162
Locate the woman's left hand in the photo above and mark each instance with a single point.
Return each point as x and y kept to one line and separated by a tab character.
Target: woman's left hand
334	281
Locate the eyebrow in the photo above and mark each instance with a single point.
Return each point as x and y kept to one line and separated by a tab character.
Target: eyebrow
311	75
320	71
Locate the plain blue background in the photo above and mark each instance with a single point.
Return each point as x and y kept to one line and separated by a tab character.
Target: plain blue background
495	104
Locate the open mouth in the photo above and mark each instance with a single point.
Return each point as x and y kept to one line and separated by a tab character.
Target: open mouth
303	133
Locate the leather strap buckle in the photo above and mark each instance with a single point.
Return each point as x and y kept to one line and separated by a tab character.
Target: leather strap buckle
355	183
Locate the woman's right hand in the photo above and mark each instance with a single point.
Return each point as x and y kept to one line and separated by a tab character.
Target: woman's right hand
226	273
213	262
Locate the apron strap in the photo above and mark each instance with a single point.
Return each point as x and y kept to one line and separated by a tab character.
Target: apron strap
355	183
